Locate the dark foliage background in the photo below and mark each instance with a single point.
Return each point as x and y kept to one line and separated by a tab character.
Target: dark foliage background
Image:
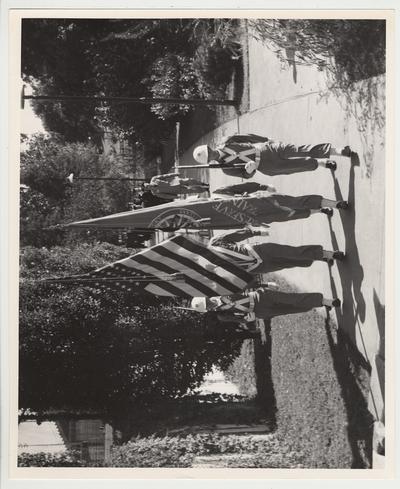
50	200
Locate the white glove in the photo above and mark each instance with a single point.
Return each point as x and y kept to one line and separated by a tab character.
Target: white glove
258	230
251	166
269	285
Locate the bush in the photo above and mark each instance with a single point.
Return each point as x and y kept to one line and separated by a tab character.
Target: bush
213	67
218	49
172	77
62	260
284	460
43	459
180	451
187	414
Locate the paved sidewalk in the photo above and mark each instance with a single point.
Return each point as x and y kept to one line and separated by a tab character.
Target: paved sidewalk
306	111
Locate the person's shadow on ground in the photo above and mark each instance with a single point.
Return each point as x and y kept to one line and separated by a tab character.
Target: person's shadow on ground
350	270
352	368
263	372
353	375
380	356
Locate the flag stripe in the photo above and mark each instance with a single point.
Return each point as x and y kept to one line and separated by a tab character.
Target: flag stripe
202	255
197	281
194	287
223	275
213	257
156	290
216	284
173	287
219	284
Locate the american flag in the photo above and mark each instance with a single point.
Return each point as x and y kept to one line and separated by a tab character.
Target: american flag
180	266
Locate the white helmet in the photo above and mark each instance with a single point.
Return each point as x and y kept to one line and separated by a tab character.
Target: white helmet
199	304
200	154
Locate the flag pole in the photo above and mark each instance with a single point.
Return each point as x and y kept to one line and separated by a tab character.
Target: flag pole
176	162
213	165
178	277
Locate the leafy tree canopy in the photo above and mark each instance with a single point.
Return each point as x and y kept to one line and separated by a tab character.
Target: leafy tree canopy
119	57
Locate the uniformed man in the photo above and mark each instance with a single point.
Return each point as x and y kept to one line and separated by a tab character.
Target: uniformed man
268	257
266	208
171	185
249	152
261	303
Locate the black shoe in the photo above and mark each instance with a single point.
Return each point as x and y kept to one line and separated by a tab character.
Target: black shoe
327	210
336	303
339	255
346	151
329	261
342	204
331	165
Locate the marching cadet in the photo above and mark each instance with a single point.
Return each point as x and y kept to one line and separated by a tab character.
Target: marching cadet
268	257
249	152
244	189
171	185
265	209
281	208
261	303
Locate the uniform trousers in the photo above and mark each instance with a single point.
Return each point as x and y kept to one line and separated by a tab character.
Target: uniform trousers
278	158
277	257
285	159
270	303
281	208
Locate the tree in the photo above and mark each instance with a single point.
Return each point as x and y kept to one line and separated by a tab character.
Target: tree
118	57
51	200
55	60
48	160
95	57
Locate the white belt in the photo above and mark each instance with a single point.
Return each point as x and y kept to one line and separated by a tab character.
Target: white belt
244	155
258	147
238	304
257	259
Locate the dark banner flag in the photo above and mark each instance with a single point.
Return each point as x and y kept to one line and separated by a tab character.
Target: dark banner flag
180	266
214	213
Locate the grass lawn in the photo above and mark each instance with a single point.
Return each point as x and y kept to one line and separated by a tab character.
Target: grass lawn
320	384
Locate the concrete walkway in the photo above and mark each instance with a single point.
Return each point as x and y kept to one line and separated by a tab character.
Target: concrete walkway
303	109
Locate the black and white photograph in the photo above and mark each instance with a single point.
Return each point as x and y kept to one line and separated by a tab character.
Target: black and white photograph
202	241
